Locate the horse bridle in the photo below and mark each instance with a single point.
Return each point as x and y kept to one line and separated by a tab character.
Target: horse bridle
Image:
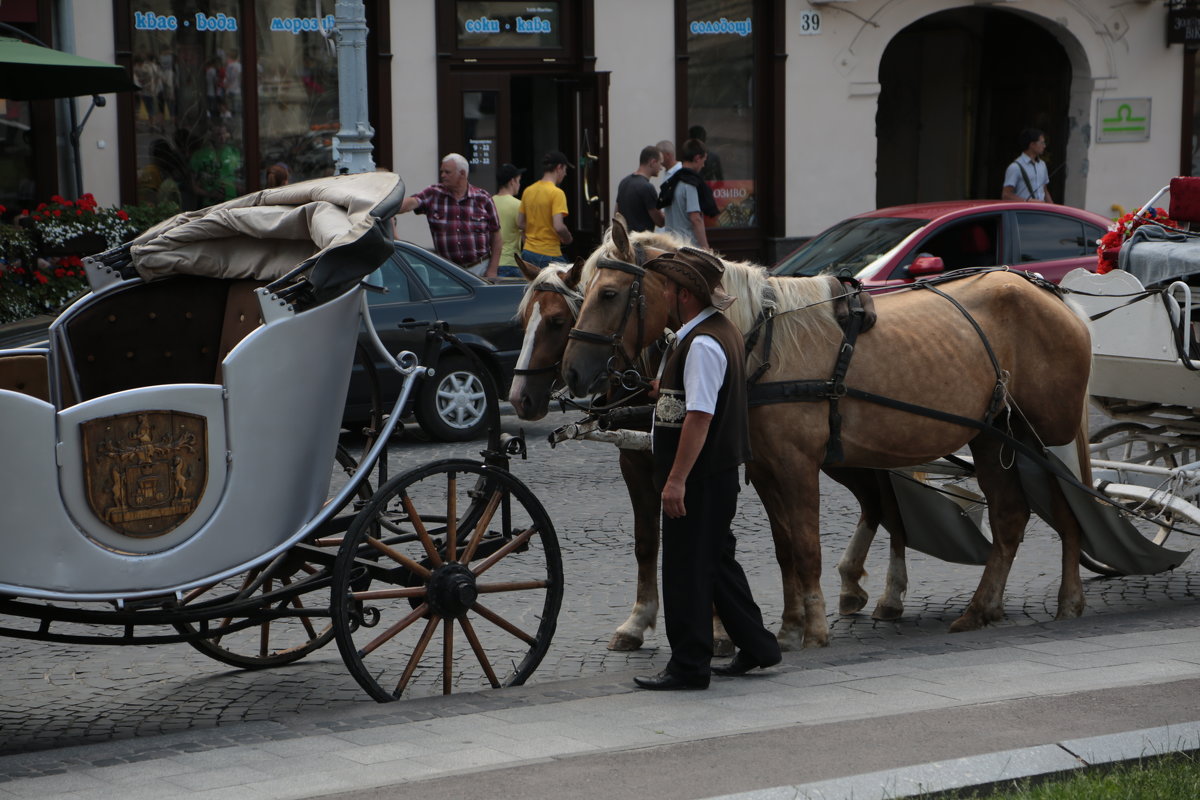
565	292
629	377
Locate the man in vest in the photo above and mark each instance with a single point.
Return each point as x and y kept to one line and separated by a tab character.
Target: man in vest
700	438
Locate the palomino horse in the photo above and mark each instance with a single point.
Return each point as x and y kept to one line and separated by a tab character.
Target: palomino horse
548	311
992	346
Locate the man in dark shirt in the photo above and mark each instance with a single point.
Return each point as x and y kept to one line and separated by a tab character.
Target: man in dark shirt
637	199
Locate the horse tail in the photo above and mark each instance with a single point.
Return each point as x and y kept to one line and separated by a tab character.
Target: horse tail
1082	450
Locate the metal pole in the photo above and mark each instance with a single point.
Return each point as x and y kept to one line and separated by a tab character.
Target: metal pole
352	145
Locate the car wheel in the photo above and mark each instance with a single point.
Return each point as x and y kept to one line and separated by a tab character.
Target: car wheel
452	405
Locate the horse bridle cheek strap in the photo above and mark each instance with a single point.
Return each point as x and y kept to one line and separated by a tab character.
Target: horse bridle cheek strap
636	305
832	390
557	364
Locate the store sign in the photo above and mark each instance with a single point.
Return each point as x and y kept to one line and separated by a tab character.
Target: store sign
150	21
508	25
1183	25
722	26
1123	120
481	152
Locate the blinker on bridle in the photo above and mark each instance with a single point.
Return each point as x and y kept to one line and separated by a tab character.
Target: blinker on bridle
629	378
565	292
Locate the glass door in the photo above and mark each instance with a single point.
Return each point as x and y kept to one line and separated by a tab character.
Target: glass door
475	122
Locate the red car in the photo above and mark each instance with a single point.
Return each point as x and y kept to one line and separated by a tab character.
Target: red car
894	246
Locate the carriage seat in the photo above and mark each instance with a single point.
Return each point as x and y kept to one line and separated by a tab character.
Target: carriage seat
26	374
176	330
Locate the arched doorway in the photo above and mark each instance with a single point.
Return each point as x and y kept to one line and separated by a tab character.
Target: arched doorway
956	88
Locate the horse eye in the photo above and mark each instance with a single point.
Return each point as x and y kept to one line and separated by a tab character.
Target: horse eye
555	322
609	294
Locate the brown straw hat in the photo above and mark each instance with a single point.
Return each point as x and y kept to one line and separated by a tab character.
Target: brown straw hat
697	270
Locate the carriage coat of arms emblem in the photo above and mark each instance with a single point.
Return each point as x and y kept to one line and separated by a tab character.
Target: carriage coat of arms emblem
145	471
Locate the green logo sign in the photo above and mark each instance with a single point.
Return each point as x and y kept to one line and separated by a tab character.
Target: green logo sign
1123	120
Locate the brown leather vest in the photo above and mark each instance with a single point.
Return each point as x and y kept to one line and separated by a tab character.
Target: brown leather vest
728	442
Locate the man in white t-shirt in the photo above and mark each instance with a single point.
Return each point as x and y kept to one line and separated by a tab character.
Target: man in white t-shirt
1027	178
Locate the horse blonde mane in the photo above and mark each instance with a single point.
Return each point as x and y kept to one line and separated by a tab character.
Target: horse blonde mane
552	276
808	298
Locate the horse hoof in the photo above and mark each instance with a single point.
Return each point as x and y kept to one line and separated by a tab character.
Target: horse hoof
887	613
965	623
789	641
624	642
851	603
1071	611
723	647
814	641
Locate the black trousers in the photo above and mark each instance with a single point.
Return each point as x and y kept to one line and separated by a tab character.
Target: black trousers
700	571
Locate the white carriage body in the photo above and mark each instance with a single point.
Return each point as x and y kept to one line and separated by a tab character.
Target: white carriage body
271	419
1134	353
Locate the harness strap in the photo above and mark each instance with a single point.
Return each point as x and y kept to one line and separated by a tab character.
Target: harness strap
998	389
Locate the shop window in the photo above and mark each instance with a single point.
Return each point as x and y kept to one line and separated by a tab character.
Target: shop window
720	103
17	182
188	116
297	91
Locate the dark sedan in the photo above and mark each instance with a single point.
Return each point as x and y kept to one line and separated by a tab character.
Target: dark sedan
420	286
894	246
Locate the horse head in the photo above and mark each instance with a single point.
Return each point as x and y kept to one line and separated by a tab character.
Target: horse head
623	312
547	311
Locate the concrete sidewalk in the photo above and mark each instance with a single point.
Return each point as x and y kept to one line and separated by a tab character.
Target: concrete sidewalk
940	712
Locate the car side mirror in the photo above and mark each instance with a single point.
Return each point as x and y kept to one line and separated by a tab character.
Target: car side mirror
926	265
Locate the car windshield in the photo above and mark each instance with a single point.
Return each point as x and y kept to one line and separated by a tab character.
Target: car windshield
849	245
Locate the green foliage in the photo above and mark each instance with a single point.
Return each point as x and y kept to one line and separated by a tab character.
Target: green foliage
1168	778
41	265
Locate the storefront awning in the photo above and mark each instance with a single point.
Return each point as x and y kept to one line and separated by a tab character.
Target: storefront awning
31	72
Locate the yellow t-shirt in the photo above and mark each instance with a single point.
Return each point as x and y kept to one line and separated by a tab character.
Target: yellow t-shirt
539	204
507	207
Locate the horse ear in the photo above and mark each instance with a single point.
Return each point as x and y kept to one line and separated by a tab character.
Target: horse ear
571	279
528	270
620	237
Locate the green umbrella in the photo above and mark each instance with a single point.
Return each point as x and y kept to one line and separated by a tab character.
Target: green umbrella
30	72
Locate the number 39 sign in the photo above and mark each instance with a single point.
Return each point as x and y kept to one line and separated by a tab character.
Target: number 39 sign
810	23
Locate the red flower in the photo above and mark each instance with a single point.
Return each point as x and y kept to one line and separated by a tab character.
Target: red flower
79	212
41	278
121	215
72	261
59	272
3	210
57	213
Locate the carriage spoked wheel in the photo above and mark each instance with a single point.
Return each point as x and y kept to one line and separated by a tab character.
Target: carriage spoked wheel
1130	442
284	639
450	579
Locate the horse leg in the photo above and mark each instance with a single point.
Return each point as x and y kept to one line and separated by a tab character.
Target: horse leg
873	490
722	644
1008	512
794	512
636	469
1070	591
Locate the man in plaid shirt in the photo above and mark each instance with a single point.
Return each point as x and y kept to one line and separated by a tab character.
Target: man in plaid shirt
462	218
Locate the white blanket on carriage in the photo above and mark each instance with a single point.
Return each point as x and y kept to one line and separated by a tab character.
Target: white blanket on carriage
1155	255
265	235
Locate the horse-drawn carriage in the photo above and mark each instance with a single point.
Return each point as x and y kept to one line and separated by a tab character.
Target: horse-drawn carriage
166	462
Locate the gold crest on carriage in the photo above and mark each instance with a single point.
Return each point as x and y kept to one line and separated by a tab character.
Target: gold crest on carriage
145	471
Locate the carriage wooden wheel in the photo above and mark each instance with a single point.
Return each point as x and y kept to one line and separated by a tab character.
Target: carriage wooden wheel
277	640
449	579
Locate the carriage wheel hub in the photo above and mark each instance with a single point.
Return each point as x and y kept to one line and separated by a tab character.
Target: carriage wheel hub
451	590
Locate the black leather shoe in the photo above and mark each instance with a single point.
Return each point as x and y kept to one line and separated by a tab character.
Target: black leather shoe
741	664
667	681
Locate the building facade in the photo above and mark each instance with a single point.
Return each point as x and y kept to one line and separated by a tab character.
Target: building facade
814	109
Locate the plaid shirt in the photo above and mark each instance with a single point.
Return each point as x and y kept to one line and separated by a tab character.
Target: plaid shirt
462	229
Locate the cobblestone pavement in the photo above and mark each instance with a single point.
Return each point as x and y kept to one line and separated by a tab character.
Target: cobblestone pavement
57	695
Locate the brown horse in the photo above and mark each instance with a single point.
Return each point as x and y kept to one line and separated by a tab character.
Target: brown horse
924	350
548	311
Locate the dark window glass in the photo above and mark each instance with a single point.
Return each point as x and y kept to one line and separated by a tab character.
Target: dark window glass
1046	237
395	281
508	25
720	103
297	91
434	278
973	242
849	245
188	114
